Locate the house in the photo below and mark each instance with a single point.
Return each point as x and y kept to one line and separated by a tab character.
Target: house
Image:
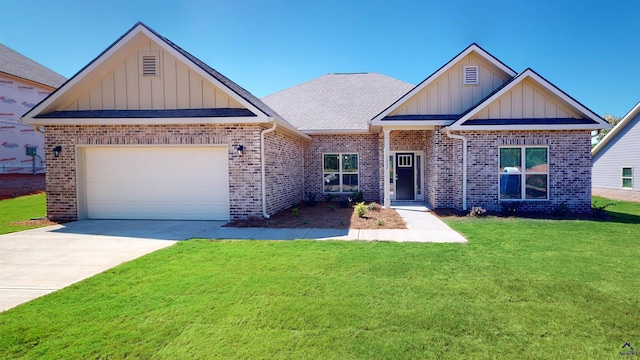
148	131
616	161
23	83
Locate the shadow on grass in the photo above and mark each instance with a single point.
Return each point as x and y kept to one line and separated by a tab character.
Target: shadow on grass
597	216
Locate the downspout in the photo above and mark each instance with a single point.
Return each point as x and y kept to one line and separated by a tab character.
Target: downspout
464	166
263	166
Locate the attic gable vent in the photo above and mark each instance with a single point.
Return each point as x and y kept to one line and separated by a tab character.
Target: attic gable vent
149	64
471	75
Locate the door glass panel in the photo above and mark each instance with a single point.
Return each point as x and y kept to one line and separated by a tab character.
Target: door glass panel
418	175
391	173
404	160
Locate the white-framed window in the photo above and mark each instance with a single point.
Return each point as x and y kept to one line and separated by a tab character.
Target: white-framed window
627	177
149	64
470	75
524	173
340	172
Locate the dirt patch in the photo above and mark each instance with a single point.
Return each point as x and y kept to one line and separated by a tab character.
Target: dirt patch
35	222
14	185
327	215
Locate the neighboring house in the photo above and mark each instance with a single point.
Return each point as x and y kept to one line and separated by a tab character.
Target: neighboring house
616	160
148	131
23	83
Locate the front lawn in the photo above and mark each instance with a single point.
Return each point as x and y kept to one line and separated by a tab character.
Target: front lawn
16	213
521	288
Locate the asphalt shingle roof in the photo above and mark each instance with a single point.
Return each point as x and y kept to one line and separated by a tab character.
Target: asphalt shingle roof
16	64
337	101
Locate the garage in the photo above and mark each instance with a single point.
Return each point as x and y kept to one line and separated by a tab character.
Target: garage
154	182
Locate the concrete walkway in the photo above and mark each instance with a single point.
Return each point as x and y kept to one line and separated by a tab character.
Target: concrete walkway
39	261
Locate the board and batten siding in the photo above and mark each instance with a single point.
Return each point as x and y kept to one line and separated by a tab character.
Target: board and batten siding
122	87
527	100
448	95
621	151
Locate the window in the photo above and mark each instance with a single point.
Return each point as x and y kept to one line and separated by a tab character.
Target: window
340	172
471	75
530	182
627	177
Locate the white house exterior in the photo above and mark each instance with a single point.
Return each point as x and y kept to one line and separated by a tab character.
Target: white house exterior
616	160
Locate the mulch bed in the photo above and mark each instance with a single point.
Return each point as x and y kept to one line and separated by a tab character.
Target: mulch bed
327	215
14	185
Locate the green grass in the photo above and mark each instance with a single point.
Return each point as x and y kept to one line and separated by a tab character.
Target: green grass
19	209
619	209
521	288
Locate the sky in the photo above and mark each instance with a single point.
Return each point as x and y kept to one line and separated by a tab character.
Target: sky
588	48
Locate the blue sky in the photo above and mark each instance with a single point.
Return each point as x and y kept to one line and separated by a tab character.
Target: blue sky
588	48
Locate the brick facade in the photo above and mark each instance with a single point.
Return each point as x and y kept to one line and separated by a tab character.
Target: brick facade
245	190
569	168
284	171
289	175
365	145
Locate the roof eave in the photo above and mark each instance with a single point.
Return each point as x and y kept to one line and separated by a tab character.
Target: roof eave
461	127
144	121
616	129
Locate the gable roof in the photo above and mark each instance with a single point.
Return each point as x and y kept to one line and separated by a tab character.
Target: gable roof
473	48
341	102
16	64
261	112
632	114
589	121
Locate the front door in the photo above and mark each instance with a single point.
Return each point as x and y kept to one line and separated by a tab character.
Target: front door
405	181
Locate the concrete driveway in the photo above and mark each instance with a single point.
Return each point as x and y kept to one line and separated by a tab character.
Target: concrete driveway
39	261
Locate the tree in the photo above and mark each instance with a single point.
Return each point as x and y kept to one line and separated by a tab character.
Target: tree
612	120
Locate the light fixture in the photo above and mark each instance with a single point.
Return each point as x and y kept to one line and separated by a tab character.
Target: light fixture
57	150
240	149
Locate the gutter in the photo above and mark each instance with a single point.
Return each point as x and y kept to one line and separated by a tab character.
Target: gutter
464	166
263	168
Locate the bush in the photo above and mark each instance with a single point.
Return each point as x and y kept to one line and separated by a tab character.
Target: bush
344	202
329	197
379	222
361	209
332	207
478	211
374	206
510	208
561	210
310	199
357	196
294	210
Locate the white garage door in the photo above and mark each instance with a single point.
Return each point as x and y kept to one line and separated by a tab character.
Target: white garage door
179	183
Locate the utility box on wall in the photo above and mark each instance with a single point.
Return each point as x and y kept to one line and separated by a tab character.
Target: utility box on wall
31	150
